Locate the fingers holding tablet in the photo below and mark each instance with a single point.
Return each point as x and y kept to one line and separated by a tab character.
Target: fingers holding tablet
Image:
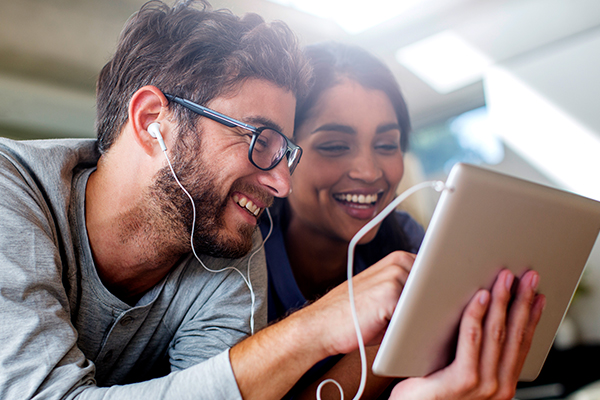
492	349
495	334
495	328
523	317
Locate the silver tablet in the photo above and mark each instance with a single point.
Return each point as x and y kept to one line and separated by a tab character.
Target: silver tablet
486	222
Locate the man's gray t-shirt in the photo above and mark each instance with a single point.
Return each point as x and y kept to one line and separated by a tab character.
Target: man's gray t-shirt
64	335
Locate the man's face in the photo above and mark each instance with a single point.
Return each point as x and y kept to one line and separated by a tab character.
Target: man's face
212	164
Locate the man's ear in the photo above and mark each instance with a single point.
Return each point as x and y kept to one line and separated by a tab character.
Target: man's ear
147	106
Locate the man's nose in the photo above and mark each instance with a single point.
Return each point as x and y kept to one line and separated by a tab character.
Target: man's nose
277	180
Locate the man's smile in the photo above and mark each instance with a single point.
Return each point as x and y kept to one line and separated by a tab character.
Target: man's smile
246	203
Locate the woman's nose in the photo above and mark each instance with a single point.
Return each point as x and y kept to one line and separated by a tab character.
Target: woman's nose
365	168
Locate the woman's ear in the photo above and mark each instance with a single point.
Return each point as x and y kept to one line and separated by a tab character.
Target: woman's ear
148	106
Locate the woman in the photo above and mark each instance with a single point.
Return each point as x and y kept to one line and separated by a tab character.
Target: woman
353	127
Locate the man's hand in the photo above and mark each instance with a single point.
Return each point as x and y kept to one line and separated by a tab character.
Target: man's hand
493	343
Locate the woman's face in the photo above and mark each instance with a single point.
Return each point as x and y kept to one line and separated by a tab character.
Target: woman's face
352	162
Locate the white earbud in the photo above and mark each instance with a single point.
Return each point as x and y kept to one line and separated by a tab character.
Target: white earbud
154	131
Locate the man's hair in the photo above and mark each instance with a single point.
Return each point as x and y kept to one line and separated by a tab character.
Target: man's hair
194	53
333	61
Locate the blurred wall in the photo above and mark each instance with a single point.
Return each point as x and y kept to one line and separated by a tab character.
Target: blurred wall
545	106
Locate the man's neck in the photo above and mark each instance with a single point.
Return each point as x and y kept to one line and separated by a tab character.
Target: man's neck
129	242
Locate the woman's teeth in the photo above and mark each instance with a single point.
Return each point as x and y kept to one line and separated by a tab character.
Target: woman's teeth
247	204
357	198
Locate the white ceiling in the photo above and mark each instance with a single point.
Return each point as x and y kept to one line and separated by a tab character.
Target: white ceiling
58	46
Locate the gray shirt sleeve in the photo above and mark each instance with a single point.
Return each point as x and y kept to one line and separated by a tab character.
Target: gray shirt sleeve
37	340
212	379
39	356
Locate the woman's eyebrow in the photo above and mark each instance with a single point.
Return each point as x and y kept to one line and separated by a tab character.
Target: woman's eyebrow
335	128
388	127
348	129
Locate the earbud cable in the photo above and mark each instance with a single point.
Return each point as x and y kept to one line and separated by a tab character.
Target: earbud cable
436	185
247	280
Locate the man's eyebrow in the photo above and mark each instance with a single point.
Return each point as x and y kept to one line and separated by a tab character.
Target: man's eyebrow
259	122
335	128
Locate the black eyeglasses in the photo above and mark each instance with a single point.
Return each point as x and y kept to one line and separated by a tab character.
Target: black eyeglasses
267	147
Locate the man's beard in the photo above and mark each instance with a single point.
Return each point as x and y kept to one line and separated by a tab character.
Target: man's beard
210	234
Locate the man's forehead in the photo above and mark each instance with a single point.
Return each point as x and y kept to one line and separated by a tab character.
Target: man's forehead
259	102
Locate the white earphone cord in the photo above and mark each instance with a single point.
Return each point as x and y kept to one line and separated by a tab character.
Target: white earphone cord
437	186
247	281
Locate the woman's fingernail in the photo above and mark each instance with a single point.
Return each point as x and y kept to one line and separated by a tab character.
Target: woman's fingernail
509	280
484	297
535	280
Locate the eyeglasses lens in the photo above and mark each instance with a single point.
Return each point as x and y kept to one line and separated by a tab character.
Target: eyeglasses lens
269	149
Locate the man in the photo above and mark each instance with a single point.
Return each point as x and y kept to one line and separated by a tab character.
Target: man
98	284
99	292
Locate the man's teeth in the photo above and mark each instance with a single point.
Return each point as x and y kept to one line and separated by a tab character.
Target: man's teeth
358	198
244	202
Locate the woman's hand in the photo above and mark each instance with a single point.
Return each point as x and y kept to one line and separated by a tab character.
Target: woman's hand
493	342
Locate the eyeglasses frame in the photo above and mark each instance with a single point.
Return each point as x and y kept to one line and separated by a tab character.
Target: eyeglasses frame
293	150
